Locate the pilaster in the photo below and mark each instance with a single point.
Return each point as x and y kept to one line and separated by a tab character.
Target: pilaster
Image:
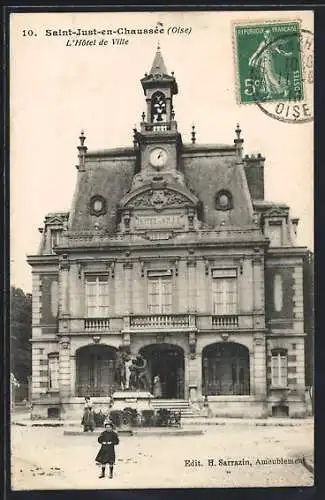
260	366
73	375
195	377
128	268
64	267
64	367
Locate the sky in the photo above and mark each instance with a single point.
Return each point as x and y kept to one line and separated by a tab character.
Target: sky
56	90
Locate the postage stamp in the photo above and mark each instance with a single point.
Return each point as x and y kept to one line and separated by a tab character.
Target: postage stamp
268	62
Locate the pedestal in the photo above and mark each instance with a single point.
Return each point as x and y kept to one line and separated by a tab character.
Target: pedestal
139	400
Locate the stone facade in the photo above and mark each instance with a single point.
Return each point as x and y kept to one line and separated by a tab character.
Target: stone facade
171	251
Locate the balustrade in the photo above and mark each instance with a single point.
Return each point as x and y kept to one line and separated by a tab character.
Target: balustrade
96	324
225	321
160	321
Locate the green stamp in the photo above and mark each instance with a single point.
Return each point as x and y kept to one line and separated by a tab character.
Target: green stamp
268	62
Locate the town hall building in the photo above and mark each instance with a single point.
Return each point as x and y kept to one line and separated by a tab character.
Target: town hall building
171	251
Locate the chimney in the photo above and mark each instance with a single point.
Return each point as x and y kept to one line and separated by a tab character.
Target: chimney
254	170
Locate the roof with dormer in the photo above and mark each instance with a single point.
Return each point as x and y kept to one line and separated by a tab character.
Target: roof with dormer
112	176
207	169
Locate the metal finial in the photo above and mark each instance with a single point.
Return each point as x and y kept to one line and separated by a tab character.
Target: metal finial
238	141
158	47
135	141
238	131
143	116
172	73
193	134
82	138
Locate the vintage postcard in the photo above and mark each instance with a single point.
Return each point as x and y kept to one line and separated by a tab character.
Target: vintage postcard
161	250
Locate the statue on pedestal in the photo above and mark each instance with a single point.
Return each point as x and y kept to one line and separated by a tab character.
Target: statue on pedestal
139	379
131	371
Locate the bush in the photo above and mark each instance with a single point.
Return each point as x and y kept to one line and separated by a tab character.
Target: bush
99	418
130	416
116	417
163	417
148	418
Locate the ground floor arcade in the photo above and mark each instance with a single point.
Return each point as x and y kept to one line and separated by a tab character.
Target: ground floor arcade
230	374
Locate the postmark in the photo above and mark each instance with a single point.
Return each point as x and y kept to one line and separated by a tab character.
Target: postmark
293	110
274	69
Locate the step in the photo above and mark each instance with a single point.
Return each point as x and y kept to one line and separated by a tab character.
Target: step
169	404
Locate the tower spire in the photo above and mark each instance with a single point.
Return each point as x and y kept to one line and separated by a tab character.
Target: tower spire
158	65
159	88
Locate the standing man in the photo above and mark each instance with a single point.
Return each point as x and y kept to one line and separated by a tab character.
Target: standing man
106	455
88	419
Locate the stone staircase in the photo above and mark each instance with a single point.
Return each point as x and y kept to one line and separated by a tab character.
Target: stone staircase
181	405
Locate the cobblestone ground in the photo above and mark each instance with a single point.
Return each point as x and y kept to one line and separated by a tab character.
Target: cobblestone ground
45	458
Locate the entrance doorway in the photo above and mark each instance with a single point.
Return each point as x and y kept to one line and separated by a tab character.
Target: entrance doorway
166	361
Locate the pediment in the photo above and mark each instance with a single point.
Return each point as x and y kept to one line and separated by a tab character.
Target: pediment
54	221
159	198
276	212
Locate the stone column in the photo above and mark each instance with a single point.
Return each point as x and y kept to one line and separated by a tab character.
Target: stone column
260	366
64	367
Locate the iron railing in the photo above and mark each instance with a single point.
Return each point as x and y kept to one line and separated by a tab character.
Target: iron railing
227	389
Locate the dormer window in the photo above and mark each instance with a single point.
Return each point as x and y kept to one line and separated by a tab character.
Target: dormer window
224	200
55	239
275	231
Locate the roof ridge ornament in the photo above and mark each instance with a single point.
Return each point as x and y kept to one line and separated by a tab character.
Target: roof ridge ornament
193	134
82	149
238	141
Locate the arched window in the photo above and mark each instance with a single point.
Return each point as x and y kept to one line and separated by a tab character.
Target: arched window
158	107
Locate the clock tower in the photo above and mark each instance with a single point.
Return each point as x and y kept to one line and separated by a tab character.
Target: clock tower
158	140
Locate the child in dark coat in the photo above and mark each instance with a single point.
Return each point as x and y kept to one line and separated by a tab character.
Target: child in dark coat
106	455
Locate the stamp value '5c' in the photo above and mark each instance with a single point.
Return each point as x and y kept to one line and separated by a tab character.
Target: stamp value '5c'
268	62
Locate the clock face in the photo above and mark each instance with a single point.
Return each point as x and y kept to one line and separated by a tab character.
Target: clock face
158	157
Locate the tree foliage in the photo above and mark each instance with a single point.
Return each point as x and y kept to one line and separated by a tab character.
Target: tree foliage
20	333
